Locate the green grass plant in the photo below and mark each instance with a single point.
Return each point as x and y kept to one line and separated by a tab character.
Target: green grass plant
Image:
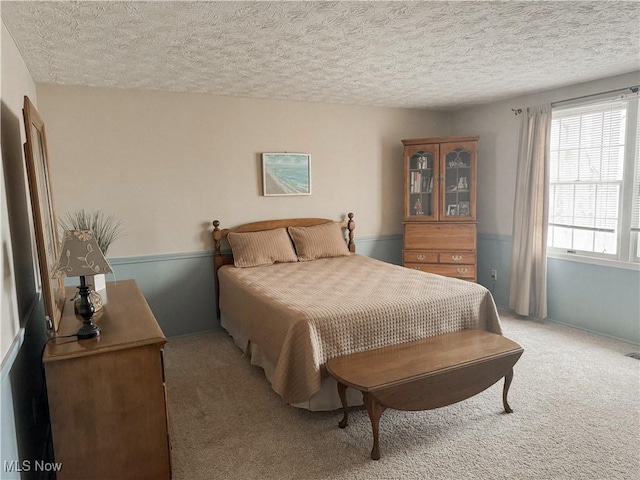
106	228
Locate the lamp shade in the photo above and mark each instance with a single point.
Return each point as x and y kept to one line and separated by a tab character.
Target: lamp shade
80	256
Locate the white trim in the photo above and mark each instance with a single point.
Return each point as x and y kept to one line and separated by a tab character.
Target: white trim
168	257
12	353
604	262
378	238
18	340
161	257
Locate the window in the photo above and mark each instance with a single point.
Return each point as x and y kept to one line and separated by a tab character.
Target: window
594	180
635	198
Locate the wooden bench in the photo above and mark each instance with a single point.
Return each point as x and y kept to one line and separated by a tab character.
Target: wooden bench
425	374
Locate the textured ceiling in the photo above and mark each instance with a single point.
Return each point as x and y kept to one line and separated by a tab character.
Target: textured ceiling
436	55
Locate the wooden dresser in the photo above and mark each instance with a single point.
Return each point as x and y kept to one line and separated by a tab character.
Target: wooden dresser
107	397
440	206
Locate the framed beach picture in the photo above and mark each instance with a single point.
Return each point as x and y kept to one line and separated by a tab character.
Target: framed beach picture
286	174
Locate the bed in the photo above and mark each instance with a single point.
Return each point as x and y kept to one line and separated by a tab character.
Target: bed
293	293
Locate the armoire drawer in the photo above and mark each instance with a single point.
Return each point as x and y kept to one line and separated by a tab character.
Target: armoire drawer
428	256
419	256
458	271
440	237
468	258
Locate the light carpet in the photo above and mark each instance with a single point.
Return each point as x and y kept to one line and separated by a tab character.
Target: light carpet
575	395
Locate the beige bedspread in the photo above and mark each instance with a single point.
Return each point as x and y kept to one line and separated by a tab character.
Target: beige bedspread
301	314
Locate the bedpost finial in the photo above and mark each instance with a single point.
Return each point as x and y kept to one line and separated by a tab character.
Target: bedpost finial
217	236
350	227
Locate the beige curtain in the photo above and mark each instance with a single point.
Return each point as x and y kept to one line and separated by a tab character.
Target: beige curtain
528	284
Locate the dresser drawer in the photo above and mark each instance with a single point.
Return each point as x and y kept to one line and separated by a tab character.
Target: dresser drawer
458	271
419	256
468	258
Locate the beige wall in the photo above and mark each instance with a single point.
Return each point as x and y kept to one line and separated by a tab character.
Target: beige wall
499	131
16	82
168	164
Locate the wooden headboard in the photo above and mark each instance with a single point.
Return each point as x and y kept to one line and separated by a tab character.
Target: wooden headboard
220	259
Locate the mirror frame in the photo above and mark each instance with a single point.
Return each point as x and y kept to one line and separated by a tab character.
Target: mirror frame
44	216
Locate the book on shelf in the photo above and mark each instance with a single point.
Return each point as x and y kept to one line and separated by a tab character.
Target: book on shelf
416	182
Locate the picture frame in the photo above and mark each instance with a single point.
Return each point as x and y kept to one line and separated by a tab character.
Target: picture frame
44	216
452	210
463	209
285	174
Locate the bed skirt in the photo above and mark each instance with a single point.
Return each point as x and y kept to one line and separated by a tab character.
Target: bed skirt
326	399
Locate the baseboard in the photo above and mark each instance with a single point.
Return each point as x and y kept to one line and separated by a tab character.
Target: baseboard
594	332
508	311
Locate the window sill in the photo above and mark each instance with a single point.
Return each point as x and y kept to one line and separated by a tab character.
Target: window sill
605	262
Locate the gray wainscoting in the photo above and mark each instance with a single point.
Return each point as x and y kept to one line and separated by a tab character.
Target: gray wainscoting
387	248
494	253
599	299
8	434
180	287
595	298
24	416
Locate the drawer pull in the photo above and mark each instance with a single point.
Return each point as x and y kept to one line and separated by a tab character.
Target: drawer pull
462	270
420	257
456	258
416	268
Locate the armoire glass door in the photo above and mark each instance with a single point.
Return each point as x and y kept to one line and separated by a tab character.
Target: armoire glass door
422	170
458	164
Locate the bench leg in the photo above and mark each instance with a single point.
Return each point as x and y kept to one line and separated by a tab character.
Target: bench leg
507	383
342	393
374	409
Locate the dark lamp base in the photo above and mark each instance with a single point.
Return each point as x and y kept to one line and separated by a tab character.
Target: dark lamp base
88	330
85	310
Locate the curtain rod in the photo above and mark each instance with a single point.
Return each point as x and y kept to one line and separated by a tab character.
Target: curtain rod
633	89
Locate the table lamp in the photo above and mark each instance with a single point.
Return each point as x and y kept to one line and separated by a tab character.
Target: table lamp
80	256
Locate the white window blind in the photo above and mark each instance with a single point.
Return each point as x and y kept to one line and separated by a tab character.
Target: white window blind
594	180
635	198
585	177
